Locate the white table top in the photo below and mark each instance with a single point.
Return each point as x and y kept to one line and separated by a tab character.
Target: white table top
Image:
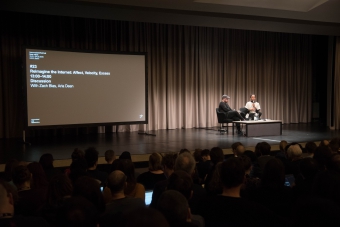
258	122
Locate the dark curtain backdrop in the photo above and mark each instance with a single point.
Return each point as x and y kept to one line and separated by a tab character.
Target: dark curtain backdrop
189	68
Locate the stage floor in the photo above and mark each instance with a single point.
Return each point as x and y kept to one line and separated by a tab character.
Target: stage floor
164	141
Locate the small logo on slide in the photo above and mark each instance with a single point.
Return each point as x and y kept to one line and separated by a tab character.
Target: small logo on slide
35	121
140	116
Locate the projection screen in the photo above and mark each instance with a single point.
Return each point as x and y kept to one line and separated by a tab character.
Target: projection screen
80	88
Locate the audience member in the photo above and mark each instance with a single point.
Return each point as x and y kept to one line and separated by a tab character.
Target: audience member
327	186
78	212
324	143
282	154
215	184
272	192
250	183
31	199
334	145
204	166
303	184
334	163
198	156
75	156
7	216
132	189
183	150
216	155
205	154
182	182
46	161
78	169
89	188
175	208
310	148
294	155
155	173
238	149
59	189
125	155
38	180
315	212
168	163
145	217
322	155
255	171
120	204
8	173
229	209
91	157
109	158
282	146
186	163
263	153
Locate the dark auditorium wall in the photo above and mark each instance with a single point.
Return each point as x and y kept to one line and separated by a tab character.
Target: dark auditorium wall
164	43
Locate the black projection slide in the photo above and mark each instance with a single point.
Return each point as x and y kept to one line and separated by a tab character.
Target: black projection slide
77	88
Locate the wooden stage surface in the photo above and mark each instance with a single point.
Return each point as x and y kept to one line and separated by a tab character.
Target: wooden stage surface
140	145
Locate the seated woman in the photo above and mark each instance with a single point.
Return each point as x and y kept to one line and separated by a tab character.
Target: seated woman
155	173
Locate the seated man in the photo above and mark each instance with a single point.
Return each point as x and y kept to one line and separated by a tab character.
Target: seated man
231	114
253	107
91	157
120	204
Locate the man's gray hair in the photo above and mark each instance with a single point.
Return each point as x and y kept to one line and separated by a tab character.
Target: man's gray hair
186	163
225	97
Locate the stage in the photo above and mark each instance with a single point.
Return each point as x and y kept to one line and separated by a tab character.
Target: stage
140	145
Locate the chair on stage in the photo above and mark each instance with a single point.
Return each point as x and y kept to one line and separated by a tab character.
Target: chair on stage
222	119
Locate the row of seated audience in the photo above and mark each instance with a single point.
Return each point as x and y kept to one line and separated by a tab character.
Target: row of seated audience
295	186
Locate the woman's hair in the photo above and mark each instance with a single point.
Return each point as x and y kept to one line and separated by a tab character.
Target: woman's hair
77	154
125	155
197	155
216	155
283	145
39	179
78	169
155	162
169	160
59	187
21	174
215	185
310	147
46	161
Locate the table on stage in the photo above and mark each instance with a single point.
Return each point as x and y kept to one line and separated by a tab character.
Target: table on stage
262	127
